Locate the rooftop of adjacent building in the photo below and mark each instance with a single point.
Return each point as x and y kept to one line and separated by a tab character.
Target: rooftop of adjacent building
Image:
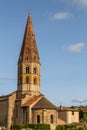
62	108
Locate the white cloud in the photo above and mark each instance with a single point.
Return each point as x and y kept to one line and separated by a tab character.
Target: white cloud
76	47
81	2
79	100
61	16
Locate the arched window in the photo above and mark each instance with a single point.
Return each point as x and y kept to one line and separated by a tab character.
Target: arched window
34	70
35	81
27	80
27	69
38	118
51	118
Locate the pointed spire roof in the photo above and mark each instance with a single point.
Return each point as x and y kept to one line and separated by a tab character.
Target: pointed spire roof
29	49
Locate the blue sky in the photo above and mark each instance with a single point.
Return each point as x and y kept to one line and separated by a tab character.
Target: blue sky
61	33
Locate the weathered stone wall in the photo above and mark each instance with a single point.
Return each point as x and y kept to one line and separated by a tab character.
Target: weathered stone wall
62	115
45	117
72	117
67	117
7	104
18	113
3	111
30	88
11	107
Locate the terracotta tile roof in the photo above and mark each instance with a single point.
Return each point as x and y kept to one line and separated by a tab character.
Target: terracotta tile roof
29	47
44	103
61	108
84	109
31	101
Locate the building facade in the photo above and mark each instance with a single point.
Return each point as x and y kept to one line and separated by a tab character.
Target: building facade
27	104
68	115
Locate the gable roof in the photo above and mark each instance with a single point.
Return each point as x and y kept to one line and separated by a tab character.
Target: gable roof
44	103
32	100
84	109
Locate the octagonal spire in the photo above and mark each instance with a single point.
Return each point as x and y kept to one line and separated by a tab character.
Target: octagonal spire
29	51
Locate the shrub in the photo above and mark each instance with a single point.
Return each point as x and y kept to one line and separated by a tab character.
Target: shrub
60	127
66	127
17	127
33	126
80	128
40	126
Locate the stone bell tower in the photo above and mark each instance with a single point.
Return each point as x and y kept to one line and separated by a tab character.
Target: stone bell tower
28	64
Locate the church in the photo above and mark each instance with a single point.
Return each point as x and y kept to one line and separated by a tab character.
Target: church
27	104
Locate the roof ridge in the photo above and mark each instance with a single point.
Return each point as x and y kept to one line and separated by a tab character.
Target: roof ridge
32	100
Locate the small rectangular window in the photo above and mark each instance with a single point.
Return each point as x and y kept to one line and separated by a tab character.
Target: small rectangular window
34	70
35	81
72	112
27	80
27	69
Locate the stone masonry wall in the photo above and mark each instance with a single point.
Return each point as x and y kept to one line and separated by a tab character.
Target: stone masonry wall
3	112
45	117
